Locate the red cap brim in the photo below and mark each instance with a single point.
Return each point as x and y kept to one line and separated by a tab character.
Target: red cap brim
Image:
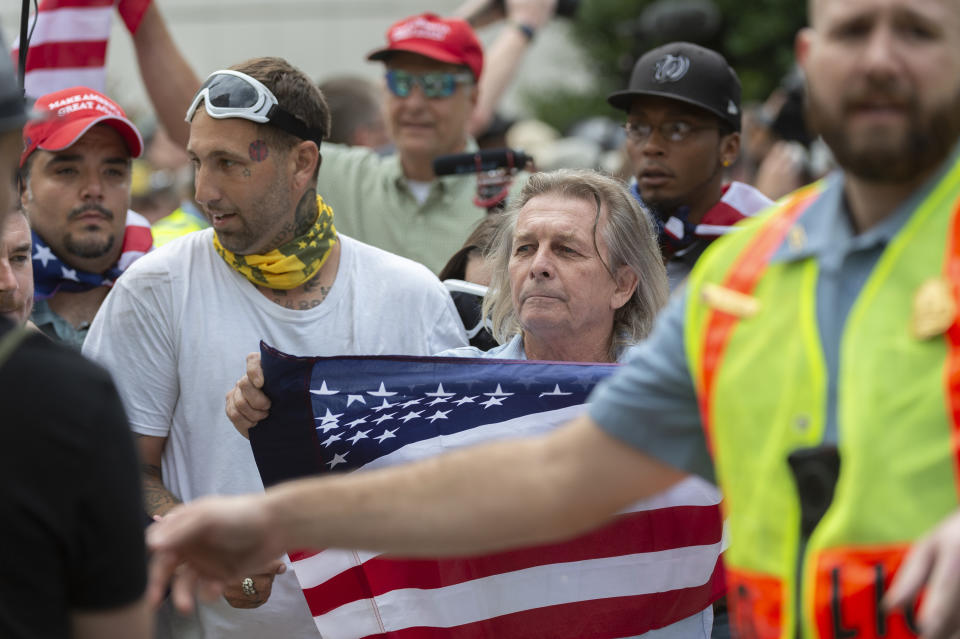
421	48
67	134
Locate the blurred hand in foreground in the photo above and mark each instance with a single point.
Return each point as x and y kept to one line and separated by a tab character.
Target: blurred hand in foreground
932	564
202	547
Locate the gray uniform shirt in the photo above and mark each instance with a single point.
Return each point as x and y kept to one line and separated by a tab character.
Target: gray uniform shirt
651	404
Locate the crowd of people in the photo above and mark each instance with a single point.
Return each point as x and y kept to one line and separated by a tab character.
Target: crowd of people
788	337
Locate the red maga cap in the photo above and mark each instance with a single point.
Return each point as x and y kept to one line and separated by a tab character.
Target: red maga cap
65	116
445	39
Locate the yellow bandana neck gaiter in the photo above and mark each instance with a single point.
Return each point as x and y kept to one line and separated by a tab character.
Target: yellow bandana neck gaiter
293	263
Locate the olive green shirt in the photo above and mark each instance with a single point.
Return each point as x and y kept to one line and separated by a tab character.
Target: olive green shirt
372	202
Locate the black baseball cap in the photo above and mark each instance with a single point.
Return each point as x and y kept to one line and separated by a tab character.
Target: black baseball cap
689	73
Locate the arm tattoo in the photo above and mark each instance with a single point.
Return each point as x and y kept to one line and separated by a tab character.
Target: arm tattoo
157	500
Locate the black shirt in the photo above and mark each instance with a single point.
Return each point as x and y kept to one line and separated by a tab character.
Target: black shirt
71	518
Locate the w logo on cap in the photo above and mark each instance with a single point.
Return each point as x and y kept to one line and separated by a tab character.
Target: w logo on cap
671	68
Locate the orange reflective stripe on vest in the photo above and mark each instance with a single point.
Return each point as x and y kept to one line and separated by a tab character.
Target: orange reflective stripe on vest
848	591
951	273
850	583
742	278
756	604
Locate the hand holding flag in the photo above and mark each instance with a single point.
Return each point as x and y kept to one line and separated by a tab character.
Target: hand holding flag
247	405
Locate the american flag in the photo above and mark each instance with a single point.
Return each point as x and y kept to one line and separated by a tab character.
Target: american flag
658	562
51	275
68	47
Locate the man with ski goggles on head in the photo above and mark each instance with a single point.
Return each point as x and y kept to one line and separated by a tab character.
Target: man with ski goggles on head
438	90
178	325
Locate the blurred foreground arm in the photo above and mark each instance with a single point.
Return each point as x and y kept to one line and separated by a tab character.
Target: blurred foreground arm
501	495
933	563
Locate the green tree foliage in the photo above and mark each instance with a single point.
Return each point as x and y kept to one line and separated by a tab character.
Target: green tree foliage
755	36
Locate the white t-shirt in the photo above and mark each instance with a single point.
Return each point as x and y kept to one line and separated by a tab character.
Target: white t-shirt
419	190
175	331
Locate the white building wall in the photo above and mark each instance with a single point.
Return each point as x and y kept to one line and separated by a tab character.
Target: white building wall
322	37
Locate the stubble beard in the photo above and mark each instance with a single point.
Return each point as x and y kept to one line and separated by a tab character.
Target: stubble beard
92	244
663	208
89	247
876	157
259	222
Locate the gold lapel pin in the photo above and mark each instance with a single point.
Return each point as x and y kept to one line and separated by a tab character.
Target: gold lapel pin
934	309
729	301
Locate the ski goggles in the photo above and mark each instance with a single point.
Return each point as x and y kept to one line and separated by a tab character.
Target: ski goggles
231	94
436	84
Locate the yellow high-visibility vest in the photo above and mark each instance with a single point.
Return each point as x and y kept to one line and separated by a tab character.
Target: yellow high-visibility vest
754	351
175	225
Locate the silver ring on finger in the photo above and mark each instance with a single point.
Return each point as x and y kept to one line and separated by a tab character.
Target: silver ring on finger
247	586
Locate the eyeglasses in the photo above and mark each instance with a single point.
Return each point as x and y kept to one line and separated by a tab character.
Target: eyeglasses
232	94
436	84
673	131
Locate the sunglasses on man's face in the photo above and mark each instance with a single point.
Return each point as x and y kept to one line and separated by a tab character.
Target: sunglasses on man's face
436	84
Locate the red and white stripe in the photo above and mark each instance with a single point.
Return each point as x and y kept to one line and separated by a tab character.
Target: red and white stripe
739	201
137	240
68	47
658	562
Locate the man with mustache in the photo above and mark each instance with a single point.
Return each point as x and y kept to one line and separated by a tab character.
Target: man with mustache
75	187
811	365
683	130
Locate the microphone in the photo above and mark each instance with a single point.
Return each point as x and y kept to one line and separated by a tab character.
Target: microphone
481	161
